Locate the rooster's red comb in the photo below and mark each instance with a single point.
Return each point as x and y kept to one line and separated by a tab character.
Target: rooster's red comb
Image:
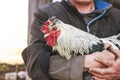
44	27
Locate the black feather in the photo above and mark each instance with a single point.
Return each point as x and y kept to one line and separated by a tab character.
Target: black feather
97	47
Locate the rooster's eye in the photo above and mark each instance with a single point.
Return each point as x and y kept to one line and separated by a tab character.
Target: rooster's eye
53	24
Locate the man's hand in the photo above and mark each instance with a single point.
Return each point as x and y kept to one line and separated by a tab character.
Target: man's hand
112	72
90	61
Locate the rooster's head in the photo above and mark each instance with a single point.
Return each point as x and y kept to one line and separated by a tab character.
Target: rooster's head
51	31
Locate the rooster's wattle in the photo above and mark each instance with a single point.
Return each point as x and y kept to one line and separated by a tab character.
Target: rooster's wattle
70	41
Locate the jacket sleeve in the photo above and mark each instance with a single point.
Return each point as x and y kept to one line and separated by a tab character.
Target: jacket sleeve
36	59
36	55
63	69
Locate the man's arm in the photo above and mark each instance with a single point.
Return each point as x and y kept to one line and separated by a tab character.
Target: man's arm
73	69
36	61
63	69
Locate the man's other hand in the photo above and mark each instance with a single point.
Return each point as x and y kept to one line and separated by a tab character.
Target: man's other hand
111	72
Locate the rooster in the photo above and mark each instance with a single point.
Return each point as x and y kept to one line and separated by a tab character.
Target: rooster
70	41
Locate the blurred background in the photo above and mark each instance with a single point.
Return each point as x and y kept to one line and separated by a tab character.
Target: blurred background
16	17
13	35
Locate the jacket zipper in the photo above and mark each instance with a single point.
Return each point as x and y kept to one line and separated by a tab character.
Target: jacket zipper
94	19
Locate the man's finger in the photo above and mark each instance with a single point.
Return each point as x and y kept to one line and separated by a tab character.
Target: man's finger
94	73
96	78
106	46
106	62
115	52
99	71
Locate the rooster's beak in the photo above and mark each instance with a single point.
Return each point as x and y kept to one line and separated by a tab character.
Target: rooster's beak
46	35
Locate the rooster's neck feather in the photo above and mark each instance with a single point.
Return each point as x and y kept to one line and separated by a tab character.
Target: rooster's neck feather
73	40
